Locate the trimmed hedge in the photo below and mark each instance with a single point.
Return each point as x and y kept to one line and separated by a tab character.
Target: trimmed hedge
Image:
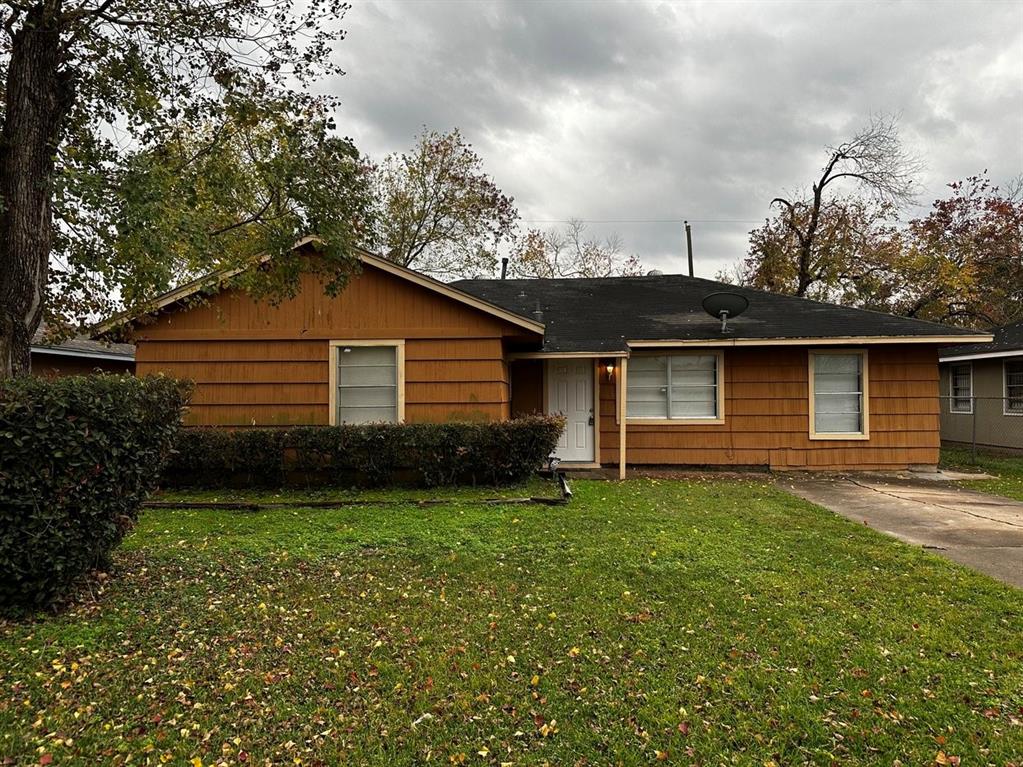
426	454
78	455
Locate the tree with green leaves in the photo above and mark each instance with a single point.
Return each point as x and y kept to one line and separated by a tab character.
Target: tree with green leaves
439	212
145	141
219	195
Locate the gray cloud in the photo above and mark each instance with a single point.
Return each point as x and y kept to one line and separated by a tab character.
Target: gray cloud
608	110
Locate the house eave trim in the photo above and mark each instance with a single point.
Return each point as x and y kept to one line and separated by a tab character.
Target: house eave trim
565	355
829	341
82	354
982	356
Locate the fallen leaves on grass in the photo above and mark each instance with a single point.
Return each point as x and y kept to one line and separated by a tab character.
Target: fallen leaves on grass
441	634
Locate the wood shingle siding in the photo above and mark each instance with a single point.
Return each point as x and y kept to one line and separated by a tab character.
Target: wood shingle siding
767	417
263	365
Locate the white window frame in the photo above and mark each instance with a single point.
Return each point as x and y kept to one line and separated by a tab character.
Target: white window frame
719	385
864	394
1005	388
397	343
951	388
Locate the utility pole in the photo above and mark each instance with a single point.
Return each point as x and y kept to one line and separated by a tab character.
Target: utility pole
689	246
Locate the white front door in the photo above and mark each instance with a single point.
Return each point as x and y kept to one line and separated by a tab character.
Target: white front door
570	392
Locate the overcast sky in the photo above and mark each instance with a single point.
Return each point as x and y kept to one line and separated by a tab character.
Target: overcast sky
637	111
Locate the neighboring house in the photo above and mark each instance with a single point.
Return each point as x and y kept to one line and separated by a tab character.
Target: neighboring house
642	374
79	356
982	391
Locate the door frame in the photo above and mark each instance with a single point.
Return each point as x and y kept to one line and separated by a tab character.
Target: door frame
595	383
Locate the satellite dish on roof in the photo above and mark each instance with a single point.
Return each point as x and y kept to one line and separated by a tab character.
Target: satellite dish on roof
724	305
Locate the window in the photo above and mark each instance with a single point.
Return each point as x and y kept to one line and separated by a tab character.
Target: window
960	383
678	387
367	382
1013	387
838	395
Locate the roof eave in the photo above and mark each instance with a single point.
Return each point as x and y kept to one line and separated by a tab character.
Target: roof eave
981	355
114	356
809	341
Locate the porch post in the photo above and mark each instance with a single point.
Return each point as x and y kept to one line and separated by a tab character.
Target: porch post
622	389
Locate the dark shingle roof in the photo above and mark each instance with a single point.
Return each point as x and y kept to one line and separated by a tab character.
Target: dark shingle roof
80	346
601	314
1008	338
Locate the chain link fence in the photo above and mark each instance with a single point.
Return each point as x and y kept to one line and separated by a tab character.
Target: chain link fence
984	424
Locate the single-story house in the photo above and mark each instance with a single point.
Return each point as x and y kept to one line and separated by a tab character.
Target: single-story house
643	375
982	391
79	356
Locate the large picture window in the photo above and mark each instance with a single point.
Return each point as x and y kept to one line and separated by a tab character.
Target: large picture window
675	387
960	384
1013	387
367	382
838	395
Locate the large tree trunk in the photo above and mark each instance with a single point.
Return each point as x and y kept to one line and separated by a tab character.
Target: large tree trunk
808	243
38	97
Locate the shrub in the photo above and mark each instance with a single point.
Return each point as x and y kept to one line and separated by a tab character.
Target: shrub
211	457
424	454
77	457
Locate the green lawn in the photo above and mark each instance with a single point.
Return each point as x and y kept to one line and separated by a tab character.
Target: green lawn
1007	470
705	622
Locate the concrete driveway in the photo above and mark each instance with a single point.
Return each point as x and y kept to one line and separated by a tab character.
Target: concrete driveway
982	531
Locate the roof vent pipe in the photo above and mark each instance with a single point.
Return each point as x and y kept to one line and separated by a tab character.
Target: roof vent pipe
504	268
689	246
538	312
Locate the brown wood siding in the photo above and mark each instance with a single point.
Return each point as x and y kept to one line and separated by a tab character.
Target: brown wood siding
260	365
767	417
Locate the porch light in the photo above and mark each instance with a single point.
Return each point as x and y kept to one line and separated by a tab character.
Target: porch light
610	370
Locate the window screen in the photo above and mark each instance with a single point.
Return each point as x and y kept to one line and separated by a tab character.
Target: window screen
961	388
367	384
673	387
838	393
1014	387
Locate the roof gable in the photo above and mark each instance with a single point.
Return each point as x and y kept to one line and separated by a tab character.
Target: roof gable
216	282
375	303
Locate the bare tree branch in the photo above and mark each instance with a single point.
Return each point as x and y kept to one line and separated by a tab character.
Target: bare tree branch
881	168
568	252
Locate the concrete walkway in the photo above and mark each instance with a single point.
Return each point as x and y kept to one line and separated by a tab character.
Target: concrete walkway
976	529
